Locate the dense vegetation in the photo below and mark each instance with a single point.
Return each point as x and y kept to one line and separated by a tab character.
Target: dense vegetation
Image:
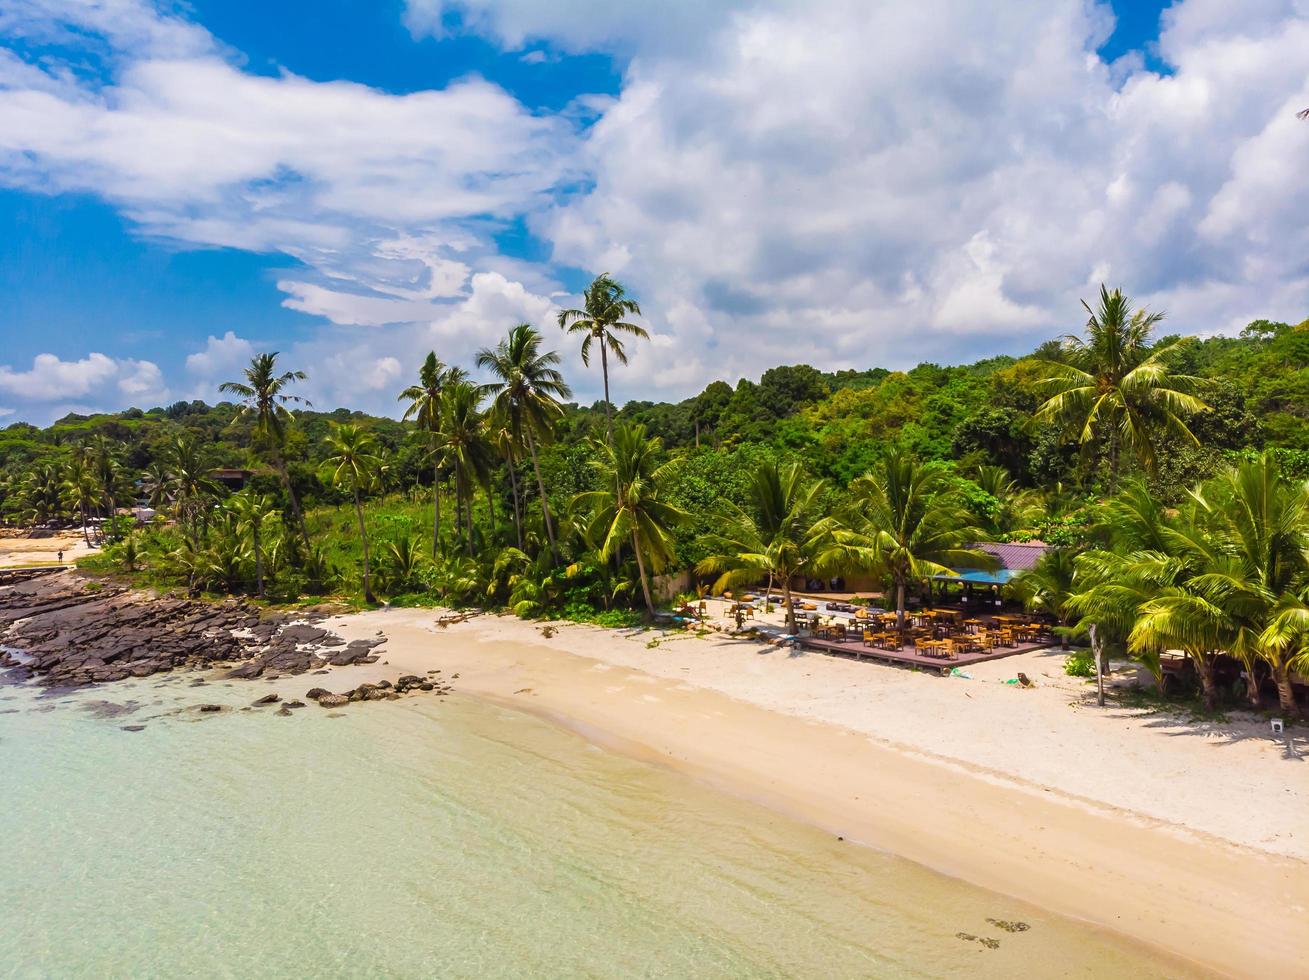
501	492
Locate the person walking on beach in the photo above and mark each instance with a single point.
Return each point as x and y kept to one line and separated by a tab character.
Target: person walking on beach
61	556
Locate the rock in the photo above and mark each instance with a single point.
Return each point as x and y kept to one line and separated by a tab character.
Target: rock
332	700
427	686
315	693
208	708
294	704
283	712
384	685
268	699
134	728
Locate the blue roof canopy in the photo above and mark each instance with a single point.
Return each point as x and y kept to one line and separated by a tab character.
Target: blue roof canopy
978	577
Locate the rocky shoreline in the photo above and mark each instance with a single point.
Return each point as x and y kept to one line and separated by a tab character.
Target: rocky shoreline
62	629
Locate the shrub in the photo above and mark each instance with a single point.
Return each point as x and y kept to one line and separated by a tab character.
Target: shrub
1079	665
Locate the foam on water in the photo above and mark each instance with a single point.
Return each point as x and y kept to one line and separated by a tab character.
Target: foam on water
422	838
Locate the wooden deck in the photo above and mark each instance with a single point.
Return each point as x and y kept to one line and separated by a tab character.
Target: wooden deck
910	656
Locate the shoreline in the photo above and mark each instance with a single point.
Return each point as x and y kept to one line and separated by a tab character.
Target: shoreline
1171	886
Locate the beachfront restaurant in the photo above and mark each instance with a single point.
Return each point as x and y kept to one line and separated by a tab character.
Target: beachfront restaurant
983	590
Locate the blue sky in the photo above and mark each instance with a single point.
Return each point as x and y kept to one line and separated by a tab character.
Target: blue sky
405	175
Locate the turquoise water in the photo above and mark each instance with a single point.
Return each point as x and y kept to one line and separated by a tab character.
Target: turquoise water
422	838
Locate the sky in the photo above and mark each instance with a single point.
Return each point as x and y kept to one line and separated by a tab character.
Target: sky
828	182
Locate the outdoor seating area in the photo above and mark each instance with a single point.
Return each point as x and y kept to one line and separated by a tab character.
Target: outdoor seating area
930	637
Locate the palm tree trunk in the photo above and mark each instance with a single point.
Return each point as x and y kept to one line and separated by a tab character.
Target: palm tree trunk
640	571
363	540
259	559
1285	692
290	493
1205	670
540	486
1097	650
86	535
436	507
604	373
513	487
791	626
899	606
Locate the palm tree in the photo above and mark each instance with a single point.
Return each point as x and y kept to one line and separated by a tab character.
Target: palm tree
461	443
264	395
157	484
424	408
501	436
527	392
604	308
192	487
1047	588
1116	385
42	495
81	489
908	524
781	537
253	511
354	462
629	508
1264	529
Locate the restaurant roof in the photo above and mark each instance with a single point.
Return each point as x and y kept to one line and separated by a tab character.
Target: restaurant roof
1017	556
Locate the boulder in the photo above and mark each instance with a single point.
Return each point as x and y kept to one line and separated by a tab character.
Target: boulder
333	700
268	699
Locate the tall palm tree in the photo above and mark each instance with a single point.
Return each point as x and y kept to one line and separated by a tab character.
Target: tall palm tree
264	395
81	489
193	489
500	434
1265	531
461	443
157	484
781	537
354	462
1114	386
1111	584
605	307
424	408
630	508
527	390
102	455
253	512
908	524
42	495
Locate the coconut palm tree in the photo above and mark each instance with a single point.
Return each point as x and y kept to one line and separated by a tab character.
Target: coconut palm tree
81	489
908	524
629	507
264	395
1264	529
354	462
782	536
605	307
41	495
527	391
157	484
424	408
253	511
500	434
1116	389
461	443
193	489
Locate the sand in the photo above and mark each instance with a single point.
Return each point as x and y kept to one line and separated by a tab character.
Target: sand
17	550
1187	836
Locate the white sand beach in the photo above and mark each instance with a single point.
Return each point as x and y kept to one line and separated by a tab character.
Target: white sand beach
1161	828
19	550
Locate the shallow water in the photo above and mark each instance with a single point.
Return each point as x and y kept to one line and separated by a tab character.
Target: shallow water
453	838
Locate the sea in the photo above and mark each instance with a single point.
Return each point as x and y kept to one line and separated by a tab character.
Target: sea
450	837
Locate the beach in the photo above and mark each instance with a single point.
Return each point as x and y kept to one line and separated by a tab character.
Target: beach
1161	829
24	549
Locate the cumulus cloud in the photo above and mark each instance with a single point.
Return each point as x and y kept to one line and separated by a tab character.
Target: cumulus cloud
842	183
787	196
225	353
96	381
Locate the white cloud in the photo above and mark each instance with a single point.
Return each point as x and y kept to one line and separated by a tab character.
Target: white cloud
100	381
221	354
842	183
